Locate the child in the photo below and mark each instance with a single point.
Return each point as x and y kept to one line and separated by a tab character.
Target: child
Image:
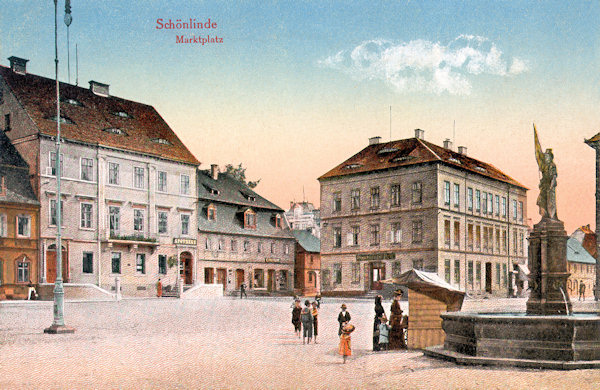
384	331
345	349
315	313
296	317
307	322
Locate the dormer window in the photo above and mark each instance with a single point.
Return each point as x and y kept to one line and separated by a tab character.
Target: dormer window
387	150
278	221
212	191
161	141
115	130
73	102
122	114
63	119
402	158
211	212
453	160
352	166
249	219
481	169
249	197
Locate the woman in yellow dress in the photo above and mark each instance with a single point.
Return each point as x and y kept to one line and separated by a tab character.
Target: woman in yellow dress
345	349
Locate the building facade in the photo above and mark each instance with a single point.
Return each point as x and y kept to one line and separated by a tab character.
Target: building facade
128	183
304	216
307	268
582	268
242	237
19	211
412	204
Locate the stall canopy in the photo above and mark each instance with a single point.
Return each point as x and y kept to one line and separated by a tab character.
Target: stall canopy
430	284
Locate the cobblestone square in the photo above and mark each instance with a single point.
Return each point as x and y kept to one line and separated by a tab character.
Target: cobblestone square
230	343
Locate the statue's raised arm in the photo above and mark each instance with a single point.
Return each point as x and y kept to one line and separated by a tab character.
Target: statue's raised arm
547	198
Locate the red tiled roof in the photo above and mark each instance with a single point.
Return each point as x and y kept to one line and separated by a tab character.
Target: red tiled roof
37	95
411	151
589	240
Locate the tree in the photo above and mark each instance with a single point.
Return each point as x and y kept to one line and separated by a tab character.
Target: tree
239	174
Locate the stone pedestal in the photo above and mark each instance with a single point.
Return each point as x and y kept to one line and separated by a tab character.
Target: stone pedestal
548	267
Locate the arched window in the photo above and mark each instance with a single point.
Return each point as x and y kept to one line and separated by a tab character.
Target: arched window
211	212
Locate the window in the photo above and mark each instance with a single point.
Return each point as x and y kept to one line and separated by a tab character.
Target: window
477	200
161	141
447	233
162	222
374	234
53	164
140	263
138	177
478	274
259	278
337	273
162	181
477	237
337	237
88	262
113	173
395	195
497	205
278	221
116	262
138	220
3	225
520	211
485	238
221	244
498	275
417	231
456	234
23	272
6	123
250	219
355	199
504	274
490	203
457	272
208	244
114	214
185	185
286	250
470	199
497	241
355	273
211	212
375	197
354	236
23	226
246	246
86	215
514	209
113	130
233	245
456	195
337	201
87	169
396	233
447	270
470	236
185	224
484	203
396	269
272	247
162	264
417	192
470	273
503	241
53	212
447	193
504	206
521	239
418	264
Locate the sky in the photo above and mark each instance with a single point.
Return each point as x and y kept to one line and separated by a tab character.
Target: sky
297	87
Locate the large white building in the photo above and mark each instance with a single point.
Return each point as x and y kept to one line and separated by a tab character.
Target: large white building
128	183
412	204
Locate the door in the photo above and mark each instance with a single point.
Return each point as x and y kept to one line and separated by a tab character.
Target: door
271	280
186	265
377	274
209	275
488	277
222	277
239	278
51	265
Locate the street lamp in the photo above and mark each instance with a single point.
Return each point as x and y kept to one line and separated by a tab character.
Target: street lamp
58	325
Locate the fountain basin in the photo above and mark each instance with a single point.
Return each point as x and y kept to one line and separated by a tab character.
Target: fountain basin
518	339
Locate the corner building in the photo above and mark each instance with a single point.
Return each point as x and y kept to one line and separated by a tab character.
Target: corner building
413	204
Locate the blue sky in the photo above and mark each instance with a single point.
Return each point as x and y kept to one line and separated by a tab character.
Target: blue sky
270	85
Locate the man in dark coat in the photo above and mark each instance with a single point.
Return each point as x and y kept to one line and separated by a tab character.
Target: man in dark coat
343	318
243	291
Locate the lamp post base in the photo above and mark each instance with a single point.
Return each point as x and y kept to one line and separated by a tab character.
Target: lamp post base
59	329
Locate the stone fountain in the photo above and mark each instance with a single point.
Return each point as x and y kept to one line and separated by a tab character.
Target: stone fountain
548	334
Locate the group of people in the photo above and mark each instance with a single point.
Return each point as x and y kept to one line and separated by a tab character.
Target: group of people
389	336
306	320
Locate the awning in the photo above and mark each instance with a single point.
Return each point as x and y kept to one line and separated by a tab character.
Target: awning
430	284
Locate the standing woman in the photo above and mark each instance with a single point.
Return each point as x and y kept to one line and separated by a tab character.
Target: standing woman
315	314
296	317
379	311
396	325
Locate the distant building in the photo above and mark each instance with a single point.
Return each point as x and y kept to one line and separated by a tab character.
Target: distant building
410	204
242	237
307	275
128	183
19	211
582	268
304	216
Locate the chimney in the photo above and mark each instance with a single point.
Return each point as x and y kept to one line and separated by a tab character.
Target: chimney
18	65
374	140
419	134
214	171
447	144
462	150
99	88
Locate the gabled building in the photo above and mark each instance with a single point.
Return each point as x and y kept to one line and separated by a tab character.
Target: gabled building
411	204
307	269
304	216
242	237
19	211
582	268
128	182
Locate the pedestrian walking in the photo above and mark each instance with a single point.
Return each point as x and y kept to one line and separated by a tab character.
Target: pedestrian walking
384	332
243	291
159	288
307	322
315	314
345	348
582	291
379	311
343	317
318	300
296	317
396	338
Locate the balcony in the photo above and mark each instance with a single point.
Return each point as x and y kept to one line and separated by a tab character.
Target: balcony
133	241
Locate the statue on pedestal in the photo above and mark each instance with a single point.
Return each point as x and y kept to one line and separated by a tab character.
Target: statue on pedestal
547	198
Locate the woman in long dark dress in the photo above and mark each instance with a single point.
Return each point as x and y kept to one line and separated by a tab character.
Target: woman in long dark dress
296	317
397	329
379	311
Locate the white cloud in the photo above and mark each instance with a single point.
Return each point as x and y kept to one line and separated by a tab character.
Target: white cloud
424	66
